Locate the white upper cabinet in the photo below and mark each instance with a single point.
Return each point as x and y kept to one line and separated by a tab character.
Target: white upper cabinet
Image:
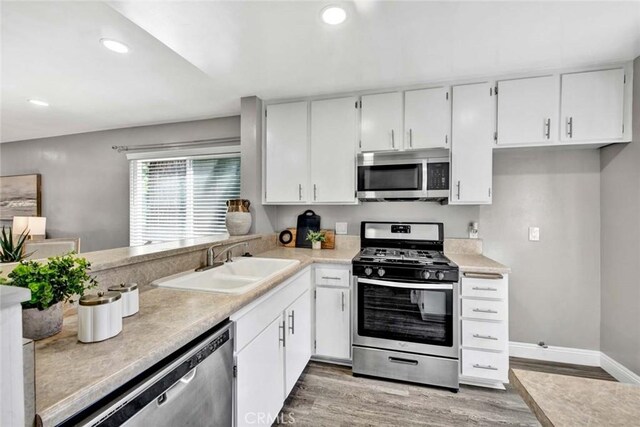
334	138
381	122
472	128
528	110
286	151
592	105
427	118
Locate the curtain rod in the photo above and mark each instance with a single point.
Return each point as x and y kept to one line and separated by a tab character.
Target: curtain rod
175	145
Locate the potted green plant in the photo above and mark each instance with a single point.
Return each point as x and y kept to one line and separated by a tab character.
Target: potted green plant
12	250
316	238
51	284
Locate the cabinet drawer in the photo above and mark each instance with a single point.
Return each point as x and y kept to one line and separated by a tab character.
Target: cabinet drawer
329	276
487	286
484	364
488	335
484	309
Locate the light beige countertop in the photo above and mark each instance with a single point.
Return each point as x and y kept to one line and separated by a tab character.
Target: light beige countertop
561	400
477	263
70	375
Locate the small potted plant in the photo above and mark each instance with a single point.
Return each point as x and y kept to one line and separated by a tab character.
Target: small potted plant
12	250
51	284
316	238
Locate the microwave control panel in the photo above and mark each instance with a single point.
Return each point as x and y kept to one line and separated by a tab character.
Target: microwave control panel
438	176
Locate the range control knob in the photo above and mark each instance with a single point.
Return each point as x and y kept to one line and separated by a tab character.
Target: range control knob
440	275
381	272
426	274
368	271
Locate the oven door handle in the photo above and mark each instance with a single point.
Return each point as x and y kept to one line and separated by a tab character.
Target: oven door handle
405	285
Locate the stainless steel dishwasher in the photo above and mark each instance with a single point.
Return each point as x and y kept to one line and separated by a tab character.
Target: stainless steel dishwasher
195	389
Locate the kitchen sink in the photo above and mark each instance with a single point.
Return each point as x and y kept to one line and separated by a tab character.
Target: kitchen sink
237	277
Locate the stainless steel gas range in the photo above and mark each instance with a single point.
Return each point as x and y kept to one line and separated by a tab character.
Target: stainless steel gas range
405	317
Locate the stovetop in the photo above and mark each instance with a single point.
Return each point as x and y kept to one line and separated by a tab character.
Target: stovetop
403	256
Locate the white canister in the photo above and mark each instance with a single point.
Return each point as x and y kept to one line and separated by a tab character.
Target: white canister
130	298
99	316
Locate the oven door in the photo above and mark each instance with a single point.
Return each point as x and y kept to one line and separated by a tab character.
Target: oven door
393	180
413	317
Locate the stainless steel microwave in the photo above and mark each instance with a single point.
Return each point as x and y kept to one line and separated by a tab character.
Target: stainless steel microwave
402	176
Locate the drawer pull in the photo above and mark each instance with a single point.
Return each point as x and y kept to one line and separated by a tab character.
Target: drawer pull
480	310
478	288
330	278
489	367
492	276
403	361
485	337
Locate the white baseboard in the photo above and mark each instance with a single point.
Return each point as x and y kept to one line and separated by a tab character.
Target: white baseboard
577	356
618	371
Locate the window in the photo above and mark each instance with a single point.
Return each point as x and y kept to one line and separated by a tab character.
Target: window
178	198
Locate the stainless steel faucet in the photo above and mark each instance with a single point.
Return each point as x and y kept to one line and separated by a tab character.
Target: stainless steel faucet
211	257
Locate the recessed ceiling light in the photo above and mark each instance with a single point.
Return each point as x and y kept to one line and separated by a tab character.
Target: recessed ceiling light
115	45
333	15
39	103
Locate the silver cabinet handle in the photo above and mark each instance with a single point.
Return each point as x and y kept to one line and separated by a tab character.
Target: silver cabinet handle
492	368
283	340
547	128
393	139
411	138
458	185
491	276
315	192
292	322
478	288
330	278
342	301
485	337
481	310
403	361
570	127
299	191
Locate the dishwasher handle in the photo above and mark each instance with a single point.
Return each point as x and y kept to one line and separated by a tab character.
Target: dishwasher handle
177	388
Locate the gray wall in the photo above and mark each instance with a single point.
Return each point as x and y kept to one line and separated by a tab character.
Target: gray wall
555	284
85	184
456	218
620	227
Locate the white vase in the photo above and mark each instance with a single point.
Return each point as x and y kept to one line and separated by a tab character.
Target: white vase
238	223
316	245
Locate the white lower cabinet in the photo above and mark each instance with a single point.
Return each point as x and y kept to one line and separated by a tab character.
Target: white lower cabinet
484	323
272	348
333	334
298	341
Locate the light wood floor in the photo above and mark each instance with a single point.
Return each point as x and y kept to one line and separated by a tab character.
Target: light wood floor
328	395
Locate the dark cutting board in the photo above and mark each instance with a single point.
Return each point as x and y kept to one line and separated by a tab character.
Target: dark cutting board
308	221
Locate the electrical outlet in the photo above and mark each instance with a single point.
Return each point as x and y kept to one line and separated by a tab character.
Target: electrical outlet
341	227
534	234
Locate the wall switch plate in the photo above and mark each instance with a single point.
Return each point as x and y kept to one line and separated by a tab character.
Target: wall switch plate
341	227
534	234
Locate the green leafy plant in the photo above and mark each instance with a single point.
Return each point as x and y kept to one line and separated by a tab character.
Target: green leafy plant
11	251
316	236
58	279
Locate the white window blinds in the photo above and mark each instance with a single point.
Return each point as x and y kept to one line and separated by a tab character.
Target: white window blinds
179	198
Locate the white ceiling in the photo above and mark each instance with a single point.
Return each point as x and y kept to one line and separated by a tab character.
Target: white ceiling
275	50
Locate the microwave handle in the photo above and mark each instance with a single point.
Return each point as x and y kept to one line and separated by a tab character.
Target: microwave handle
405	285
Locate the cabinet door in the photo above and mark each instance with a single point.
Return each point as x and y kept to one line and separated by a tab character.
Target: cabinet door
427	118
260	378
528	110
286	154
381	122
298	345
592	105
334	134
333	329
471	144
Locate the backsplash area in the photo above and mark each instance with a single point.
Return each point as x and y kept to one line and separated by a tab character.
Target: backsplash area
456	218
